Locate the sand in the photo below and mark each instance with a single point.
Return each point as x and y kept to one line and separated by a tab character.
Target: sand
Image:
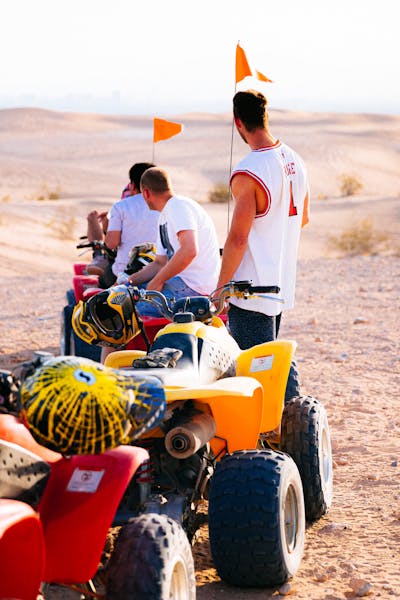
345	320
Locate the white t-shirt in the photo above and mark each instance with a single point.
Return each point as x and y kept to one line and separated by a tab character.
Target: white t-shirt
137	224
182	214
271	254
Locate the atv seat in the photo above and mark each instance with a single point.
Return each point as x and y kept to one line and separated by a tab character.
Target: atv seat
23	474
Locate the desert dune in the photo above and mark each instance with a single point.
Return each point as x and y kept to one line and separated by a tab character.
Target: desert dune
345	320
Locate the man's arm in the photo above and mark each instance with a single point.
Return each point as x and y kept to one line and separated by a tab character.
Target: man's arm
149	271
187	251
244	191
306	210
113	239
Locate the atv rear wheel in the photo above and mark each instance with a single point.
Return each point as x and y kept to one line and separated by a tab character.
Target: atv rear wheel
152	560
256	518
305	436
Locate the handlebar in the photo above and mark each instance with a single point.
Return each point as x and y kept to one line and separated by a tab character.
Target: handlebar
97	245
239	289
244	289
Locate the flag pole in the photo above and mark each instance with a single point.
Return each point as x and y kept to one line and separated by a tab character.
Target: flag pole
231	157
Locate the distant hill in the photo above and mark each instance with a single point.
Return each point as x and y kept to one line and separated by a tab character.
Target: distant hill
89	155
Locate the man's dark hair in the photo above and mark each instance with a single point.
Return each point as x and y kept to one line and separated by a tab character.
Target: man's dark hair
251	108
136	172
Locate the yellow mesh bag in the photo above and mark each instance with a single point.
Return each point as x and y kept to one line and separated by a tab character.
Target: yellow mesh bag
76	406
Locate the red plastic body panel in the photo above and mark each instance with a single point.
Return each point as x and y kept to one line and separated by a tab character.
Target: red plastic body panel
80	268
21	550
82	282
78	507
13	430
89	292
151	326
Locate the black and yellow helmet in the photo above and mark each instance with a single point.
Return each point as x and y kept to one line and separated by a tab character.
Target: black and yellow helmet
140	256
74	405
106	319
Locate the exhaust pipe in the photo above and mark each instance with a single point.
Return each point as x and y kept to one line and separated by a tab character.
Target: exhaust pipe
185	439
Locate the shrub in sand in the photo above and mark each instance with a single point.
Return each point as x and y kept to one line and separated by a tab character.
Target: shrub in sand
49	194
361	238
64	227
219	194
350	185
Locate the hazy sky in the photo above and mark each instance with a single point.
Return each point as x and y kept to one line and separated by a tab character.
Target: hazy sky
165	57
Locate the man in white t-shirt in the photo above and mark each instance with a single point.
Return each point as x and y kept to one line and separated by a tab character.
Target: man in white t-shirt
187	261
97	225
271	192
130	223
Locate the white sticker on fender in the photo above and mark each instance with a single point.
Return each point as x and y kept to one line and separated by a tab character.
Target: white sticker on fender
262	363
85	481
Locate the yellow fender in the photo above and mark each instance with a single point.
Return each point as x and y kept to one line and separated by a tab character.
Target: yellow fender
123	358
269	363
236	404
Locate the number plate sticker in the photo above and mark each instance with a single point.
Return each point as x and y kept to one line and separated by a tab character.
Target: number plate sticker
85	481
262	363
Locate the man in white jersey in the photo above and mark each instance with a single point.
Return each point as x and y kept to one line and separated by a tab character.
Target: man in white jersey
271	193
187	258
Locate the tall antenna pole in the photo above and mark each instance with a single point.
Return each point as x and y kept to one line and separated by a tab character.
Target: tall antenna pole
231	157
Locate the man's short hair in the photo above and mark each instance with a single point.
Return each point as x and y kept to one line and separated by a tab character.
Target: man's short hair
251	108
156	180
136	172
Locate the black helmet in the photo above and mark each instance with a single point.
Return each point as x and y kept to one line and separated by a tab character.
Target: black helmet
106	319
140	256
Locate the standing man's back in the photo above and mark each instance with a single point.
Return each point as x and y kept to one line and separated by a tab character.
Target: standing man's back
270	189
275	233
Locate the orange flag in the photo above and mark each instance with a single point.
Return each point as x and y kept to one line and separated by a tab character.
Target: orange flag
163	130
262	77
243	68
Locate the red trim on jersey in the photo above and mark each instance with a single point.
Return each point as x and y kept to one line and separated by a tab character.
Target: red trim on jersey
276	145
261	184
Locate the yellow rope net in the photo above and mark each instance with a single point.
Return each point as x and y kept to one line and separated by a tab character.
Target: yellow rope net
76	406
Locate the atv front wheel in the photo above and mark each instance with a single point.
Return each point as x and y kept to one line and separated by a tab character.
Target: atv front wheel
256	518
305	436
152	560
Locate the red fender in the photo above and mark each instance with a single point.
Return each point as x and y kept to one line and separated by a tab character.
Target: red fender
80	283
21	550
78	507
13	430
80	268
151	325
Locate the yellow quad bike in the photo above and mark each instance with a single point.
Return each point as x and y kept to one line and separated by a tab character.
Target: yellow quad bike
265	468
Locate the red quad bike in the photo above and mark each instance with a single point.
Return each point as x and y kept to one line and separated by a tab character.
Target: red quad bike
66	468
227	436
84	286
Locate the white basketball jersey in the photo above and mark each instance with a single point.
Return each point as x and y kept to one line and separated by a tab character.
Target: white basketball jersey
271	254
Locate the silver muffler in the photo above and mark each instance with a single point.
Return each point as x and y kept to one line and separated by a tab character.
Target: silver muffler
188	437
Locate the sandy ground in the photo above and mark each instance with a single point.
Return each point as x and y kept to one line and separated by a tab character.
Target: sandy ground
345	320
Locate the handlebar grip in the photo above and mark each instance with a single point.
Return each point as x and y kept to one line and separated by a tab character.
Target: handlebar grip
264	289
